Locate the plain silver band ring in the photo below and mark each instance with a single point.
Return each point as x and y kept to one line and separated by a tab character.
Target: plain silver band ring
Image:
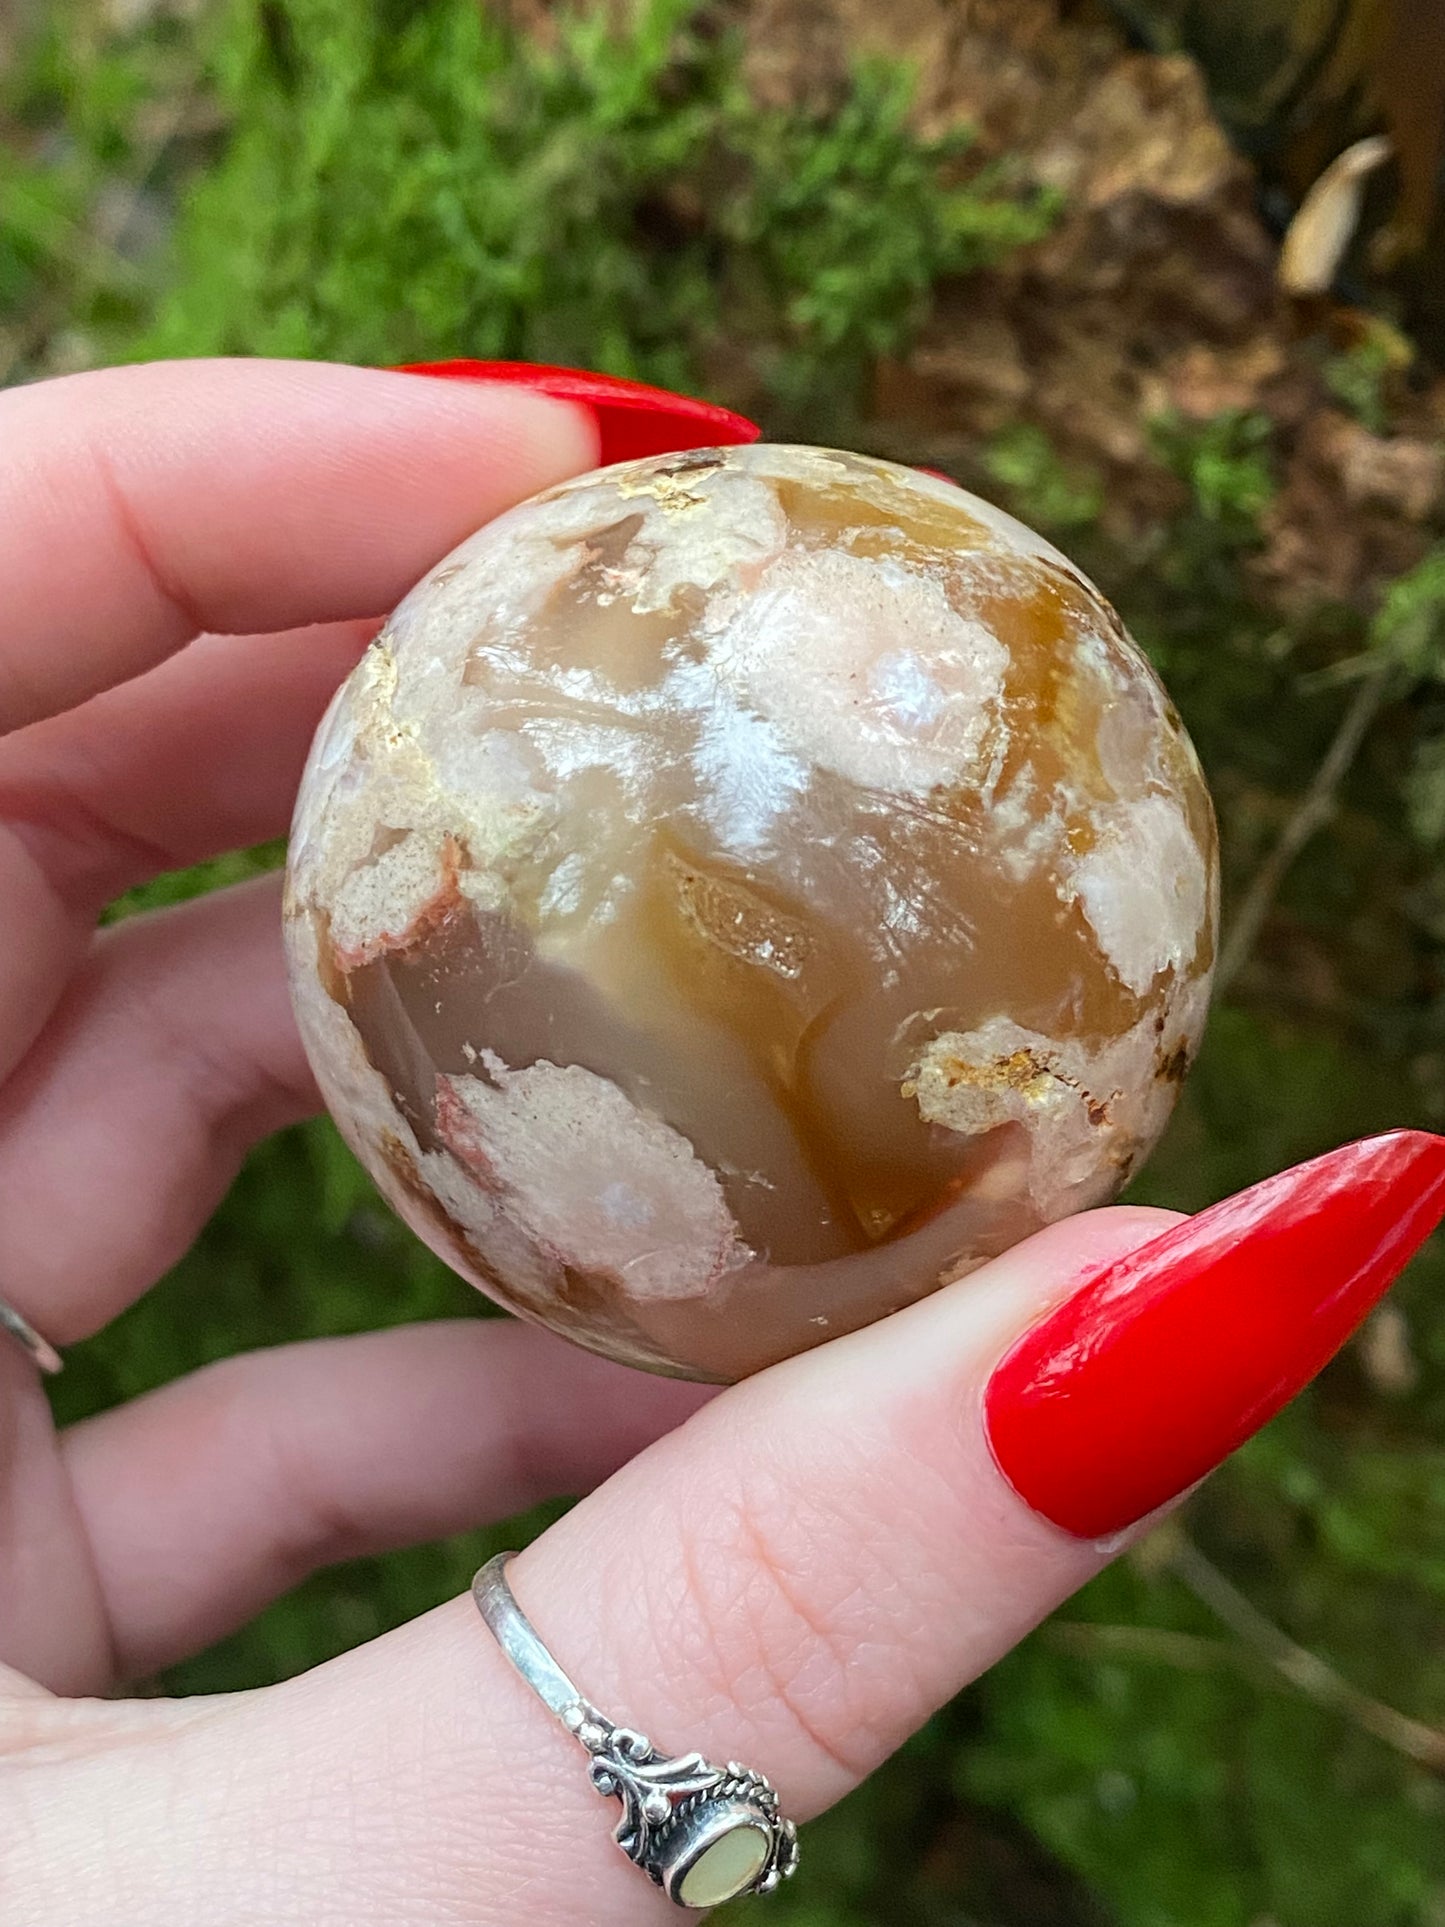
25	1335
703	1833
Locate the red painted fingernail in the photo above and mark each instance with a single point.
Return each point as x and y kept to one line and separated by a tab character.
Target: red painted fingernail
1168	1359
632	418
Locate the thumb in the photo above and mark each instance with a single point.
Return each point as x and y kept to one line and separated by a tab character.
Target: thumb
794	1579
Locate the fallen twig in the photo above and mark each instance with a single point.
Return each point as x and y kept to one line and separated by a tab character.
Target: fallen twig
1311	813
1304	1670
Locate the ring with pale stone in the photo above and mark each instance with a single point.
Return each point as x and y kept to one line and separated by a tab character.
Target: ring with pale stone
703	1833
26	1336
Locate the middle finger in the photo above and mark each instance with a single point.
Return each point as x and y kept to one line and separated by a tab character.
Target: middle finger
200	756
170	1054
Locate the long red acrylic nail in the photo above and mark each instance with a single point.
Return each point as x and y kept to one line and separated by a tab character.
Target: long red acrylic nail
1164	1362
633	419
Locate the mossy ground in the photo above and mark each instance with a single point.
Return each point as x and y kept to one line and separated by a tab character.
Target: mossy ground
369	180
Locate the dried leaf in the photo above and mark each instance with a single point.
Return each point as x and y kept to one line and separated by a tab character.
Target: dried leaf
1322	230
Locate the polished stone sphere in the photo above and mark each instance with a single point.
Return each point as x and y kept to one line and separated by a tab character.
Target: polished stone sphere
739	892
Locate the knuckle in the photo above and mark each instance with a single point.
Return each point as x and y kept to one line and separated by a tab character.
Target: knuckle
794	1612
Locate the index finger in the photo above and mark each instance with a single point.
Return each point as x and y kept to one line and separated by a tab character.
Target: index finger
141	505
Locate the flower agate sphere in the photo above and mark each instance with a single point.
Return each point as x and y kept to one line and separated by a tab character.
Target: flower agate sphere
740	892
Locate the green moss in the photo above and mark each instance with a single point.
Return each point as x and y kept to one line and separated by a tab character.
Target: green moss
406	184
1359	376
1055	494
378	181
1410	625
1225	462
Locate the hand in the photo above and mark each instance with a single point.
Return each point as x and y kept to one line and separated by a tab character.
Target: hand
795	1576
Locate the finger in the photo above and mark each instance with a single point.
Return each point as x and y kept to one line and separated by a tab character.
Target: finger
45	1558
813	1563
42	938
798	1575
795	1579
15	1687
199	756
140	506
207	1499
172	1052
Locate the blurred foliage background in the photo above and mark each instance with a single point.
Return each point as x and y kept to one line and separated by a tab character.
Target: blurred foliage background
1033	243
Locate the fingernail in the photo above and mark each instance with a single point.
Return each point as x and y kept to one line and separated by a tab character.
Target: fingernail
632	418
1165	1361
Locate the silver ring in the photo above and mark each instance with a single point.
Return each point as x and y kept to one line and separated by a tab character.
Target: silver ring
703	1833
25	1334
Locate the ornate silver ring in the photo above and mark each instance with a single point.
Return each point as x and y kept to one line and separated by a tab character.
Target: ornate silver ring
703	1833
25	1334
